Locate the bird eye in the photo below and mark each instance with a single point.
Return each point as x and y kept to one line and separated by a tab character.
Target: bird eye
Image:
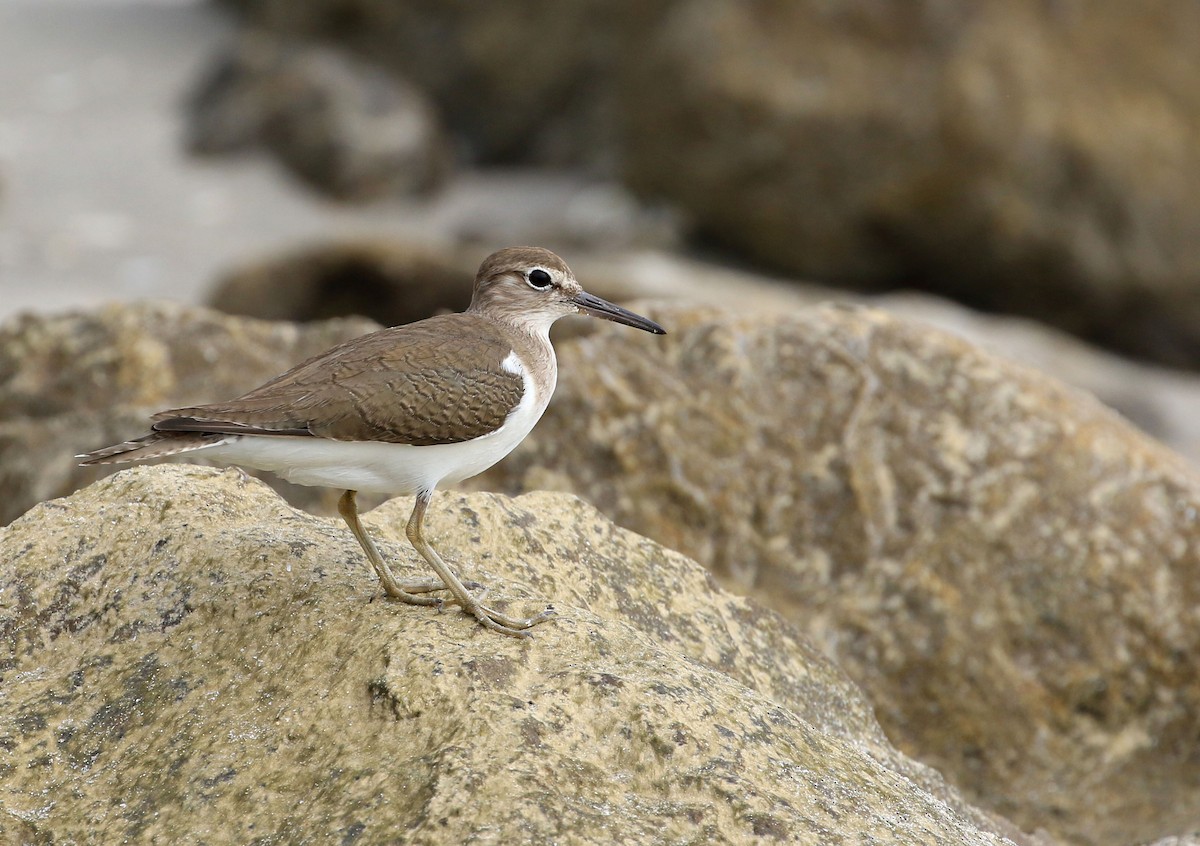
539	278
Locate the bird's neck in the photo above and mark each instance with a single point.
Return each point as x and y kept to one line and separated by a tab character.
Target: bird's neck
531	342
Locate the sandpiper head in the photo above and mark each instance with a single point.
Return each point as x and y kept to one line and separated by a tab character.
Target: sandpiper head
532	288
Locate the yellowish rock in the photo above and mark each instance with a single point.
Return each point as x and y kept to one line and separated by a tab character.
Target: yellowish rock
195	661
1005	565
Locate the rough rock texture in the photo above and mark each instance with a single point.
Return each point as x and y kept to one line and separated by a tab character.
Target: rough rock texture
1018	154
192	659
75	382
1008	568
350	130
1162	402
1002	563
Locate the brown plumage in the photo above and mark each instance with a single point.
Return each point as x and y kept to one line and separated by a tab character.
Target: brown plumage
405	385
426	383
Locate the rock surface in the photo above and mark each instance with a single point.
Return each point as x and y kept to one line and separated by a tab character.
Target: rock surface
192	658
347	129
1008	568
76	382
1162	402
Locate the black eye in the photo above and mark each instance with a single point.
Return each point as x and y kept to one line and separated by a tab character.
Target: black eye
539	278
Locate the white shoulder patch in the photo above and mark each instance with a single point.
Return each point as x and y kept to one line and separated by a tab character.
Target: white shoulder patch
512	364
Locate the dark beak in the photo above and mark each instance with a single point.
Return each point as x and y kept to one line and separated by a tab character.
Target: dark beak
597	307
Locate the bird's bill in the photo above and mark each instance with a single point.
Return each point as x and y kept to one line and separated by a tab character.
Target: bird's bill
597	307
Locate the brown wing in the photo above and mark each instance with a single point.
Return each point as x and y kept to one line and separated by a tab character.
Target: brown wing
418	384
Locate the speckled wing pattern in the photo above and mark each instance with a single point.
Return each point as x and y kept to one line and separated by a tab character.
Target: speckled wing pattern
421	384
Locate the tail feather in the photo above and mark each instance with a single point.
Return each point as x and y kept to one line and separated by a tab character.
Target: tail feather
154	445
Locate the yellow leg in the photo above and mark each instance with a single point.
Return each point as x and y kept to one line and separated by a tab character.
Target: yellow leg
486	616
407	591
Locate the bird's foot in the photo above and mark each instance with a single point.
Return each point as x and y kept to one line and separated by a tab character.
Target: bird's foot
413	591
498	622
430	585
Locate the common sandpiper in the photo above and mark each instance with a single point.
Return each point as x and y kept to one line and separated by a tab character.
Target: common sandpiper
403	410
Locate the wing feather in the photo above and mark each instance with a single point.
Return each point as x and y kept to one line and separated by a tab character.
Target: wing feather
420	384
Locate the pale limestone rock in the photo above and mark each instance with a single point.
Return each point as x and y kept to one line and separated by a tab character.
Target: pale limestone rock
195	660
924	531
1007	567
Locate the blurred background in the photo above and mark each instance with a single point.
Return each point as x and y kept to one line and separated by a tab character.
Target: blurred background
148	147
1029	157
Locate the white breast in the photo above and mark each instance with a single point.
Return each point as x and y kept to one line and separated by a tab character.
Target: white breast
376	467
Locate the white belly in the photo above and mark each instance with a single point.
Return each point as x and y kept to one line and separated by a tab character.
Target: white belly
375	467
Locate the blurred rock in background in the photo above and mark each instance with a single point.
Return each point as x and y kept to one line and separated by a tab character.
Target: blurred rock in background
345	128
529	81
1021	156
391	281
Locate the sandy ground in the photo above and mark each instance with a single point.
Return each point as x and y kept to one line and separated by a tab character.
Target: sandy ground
98	200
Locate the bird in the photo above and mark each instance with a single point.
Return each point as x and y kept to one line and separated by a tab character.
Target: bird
402	411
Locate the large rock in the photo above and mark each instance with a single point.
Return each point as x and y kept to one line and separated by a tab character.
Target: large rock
1007	567
345	128
75	382
1020	155
964	529
193	660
